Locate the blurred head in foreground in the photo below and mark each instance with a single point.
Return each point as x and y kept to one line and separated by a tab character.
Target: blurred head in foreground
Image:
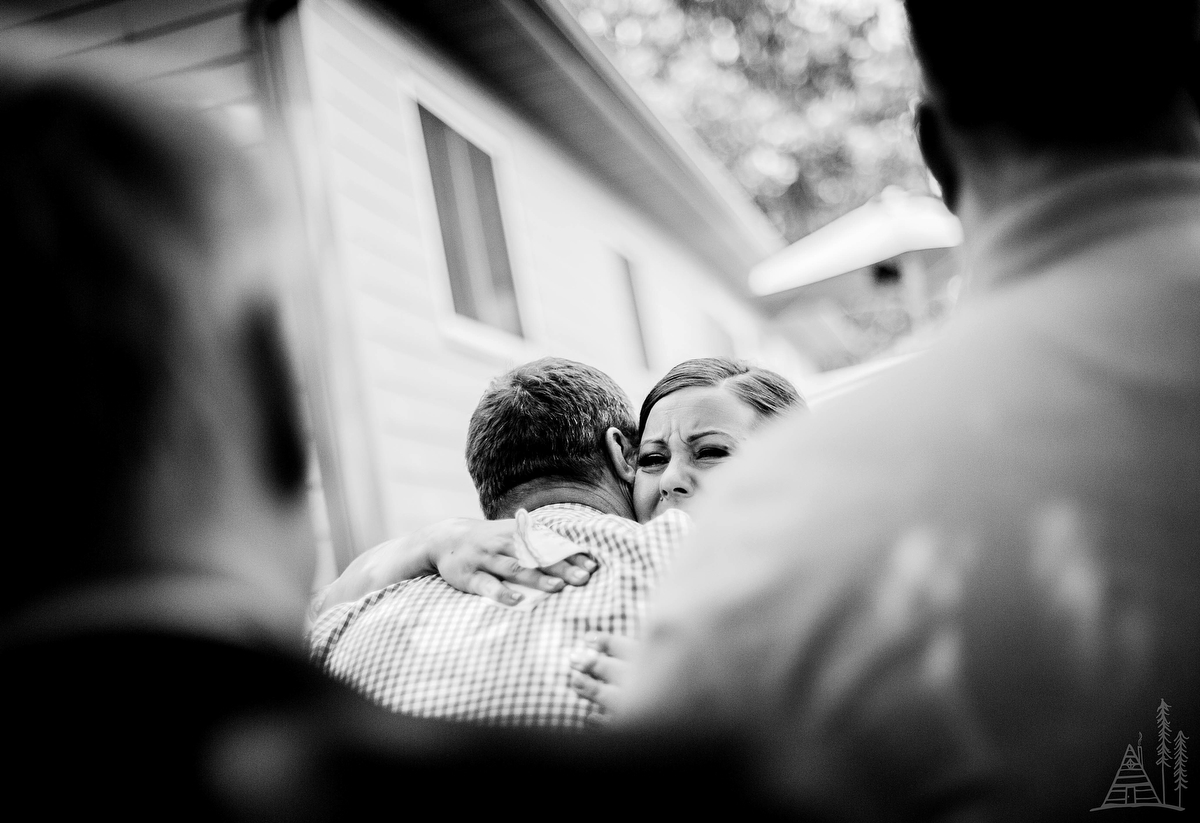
154	430
1055	84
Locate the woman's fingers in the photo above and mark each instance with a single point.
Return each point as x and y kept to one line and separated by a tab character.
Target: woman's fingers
473	551
589	688
610	669
599	667
498	557
507	568
594	660
615	645
485	585
488	574
583	561
576	569
484	560
585	685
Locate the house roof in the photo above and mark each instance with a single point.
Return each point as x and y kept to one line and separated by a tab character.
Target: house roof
535	56
888	225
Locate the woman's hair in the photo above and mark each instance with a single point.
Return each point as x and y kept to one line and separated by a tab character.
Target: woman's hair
768	393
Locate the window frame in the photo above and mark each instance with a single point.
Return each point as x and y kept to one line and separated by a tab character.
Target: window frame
630	273
476	336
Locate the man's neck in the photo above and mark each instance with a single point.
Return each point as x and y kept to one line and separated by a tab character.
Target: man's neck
603	497
1000	171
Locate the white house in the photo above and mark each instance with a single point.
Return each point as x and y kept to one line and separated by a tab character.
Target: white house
479	188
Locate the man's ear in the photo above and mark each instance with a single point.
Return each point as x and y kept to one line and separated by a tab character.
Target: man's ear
620	454
932	137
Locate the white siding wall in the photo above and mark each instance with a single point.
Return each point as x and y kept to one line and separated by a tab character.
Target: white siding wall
422	368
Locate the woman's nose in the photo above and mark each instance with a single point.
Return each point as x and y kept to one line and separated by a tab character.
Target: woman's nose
676	479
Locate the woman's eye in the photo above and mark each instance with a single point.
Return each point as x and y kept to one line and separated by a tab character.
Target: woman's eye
651	460
712	453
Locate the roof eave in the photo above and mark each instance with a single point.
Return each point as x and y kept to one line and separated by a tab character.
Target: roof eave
535	56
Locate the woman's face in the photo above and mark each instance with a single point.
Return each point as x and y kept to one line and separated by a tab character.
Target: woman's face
687	433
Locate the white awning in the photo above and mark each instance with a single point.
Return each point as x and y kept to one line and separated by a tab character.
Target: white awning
890	224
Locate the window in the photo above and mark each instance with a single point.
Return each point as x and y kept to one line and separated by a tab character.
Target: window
639	332
464	188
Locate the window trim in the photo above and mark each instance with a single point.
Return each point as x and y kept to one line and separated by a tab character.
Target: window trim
632	275
318	326
475	336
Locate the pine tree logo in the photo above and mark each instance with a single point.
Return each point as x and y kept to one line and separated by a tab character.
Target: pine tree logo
1132	786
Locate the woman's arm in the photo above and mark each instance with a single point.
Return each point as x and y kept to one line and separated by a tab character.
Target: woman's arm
475	556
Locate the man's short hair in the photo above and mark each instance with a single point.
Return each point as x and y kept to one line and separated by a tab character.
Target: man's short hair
543	420
1055	71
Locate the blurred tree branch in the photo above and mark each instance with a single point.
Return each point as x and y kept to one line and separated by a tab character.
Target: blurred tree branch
807	102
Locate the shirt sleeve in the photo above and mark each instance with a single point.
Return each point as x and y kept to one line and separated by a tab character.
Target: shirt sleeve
325	631
329	627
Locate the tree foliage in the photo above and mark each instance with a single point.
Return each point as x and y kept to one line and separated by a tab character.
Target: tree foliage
1164	742
807	102
1180	770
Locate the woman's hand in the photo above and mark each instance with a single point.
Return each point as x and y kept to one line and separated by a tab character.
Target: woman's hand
599	669
479	557
475	556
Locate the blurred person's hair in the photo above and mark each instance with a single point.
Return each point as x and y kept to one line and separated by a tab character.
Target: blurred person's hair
1057	72
114	213
541	421
768	393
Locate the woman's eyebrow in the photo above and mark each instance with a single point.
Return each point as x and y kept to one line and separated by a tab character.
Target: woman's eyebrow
691	438
658	441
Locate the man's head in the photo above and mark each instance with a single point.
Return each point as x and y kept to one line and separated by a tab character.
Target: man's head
1038	76
155	431
549	421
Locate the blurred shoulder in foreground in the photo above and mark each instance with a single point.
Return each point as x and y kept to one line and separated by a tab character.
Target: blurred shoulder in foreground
962	591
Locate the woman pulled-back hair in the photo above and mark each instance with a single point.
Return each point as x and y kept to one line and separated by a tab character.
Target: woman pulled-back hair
768	393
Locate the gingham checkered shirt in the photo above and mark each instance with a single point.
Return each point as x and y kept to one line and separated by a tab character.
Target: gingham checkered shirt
424	648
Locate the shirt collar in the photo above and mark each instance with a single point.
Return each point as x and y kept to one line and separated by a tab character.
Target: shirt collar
1084	211
568	508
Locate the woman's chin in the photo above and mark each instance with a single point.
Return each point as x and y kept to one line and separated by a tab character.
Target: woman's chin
645	516
667	505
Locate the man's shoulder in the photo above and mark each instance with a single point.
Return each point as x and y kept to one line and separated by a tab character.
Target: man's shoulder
426	591
568	513
608	535
577	522
415	598
577	514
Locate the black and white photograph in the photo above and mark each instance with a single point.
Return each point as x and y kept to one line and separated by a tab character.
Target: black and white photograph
607	409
